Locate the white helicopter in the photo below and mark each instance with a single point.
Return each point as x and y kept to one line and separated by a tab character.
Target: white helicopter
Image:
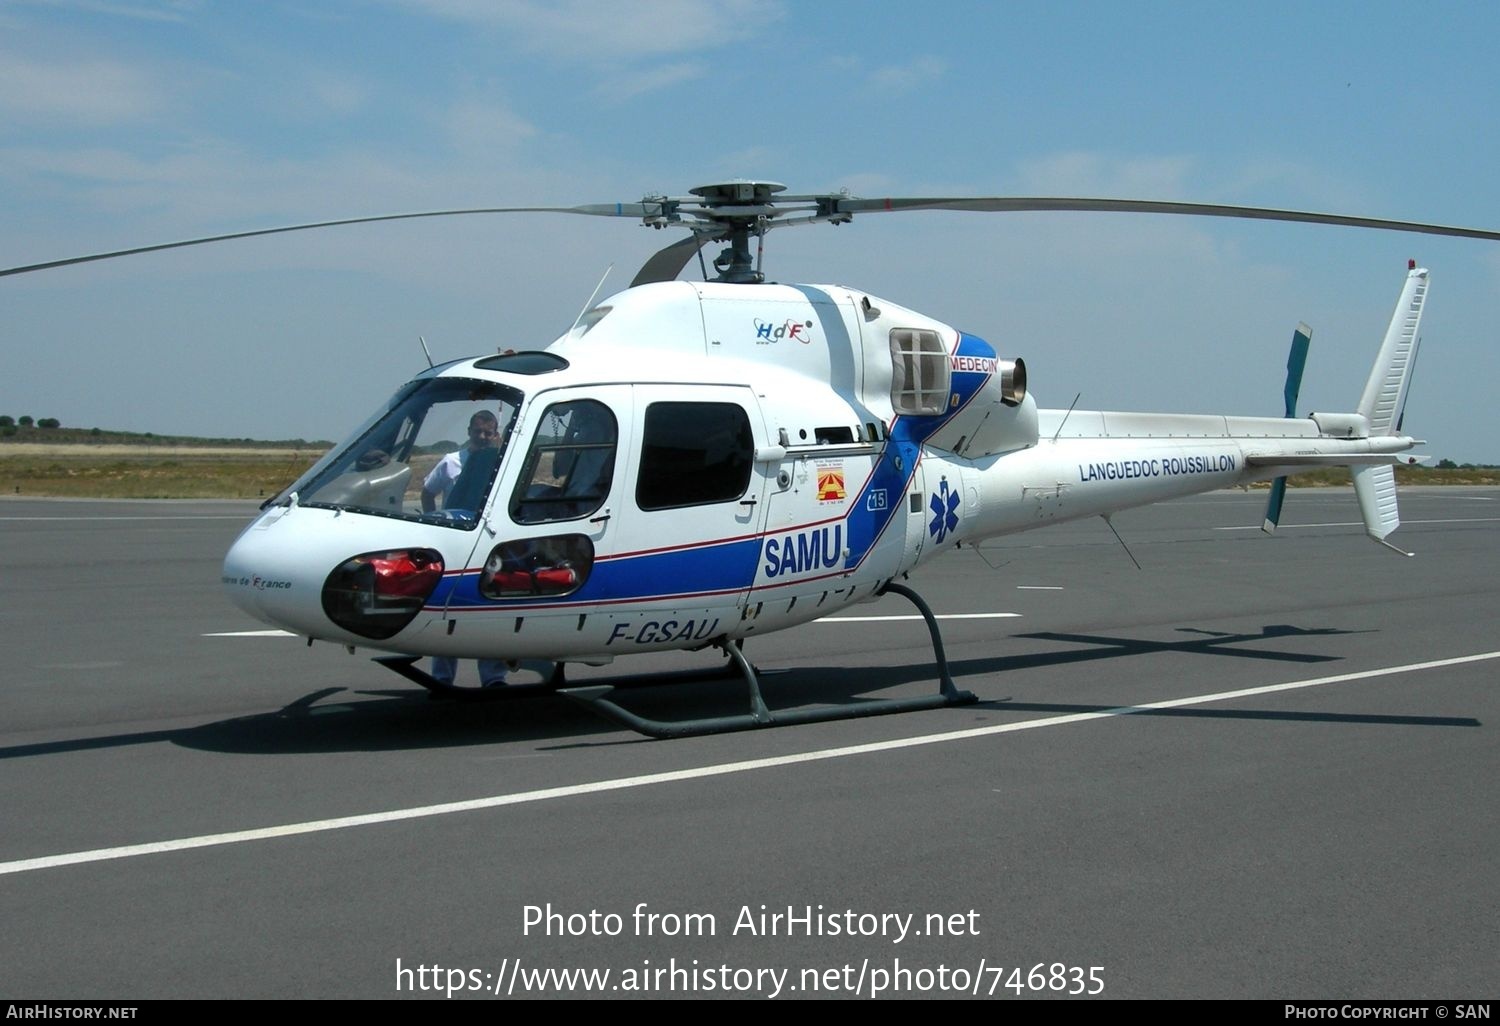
693	464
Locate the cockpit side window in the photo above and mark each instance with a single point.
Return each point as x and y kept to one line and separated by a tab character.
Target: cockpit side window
570	466
433	456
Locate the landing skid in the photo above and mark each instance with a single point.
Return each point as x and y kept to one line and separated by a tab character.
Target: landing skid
596	698
554	682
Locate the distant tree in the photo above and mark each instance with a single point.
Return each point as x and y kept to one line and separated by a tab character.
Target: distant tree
1447	465
6	420
49	422
26	421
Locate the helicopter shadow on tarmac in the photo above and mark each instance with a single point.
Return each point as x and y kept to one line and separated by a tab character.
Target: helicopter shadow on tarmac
406	719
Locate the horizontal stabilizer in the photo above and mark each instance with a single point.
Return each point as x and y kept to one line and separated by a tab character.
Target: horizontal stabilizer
1323	459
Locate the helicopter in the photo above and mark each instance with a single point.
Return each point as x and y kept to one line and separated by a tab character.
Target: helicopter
695	464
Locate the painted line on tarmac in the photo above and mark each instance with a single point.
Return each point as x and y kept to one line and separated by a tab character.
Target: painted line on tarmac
206	516
721	769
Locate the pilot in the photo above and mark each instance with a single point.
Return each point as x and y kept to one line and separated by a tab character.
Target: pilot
484	433
484	436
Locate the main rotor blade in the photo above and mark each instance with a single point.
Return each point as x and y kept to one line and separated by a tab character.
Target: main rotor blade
664	211
635	210
666	264
1009	204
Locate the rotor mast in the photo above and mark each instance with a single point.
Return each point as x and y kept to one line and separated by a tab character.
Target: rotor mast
734	212
743	208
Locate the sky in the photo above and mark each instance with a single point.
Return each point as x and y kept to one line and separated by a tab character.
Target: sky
130	122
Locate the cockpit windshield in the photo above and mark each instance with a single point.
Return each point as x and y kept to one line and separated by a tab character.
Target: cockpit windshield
432	456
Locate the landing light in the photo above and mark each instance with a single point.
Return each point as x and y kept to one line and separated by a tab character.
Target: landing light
377	594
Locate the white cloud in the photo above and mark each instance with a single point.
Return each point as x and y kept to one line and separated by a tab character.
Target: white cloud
335	93
166	10
1093	174
608	29
487	126
1304	185
87	92
628	85
903	78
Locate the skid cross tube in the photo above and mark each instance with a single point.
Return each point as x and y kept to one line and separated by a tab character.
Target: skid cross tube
597	698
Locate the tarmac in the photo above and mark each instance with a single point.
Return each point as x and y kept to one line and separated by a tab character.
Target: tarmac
1252	768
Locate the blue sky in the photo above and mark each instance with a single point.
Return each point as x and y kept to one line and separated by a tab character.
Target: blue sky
126	122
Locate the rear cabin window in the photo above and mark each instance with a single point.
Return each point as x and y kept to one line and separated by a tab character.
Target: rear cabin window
919	372
693	454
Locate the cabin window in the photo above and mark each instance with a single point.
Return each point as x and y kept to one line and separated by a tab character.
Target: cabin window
537	567
570	466
919	372
693	454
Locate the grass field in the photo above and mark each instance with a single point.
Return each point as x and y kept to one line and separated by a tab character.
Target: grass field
149	472
124	471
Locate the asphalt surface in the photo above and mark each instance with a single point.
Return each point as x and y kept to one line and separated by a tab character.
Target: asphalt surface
1330	840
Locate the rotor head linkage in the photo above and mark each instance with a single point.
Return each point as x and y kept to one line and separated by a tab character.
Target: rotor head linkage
739	208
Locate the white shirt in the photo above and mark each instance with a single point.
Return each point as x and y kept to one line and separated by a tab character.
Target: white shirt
441	479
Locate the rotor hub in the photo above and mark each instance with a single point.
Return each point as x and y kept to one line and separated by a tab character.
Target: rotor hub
739	192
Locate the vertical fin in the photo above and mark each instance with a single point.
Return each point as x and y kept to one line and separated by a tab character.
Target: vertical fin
1375	488
1385	392
1296	362
1416	350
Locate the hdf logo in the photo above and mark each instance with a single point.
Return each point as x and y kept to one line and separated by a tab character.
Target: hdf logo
789	331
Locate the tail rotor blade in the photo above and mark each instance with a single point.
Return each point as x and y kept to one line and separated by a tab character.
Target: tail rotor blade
1273	508
1296	362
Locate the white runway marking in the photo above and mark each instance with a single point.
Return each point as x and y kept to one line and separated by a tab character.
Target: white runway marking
1356	523
721	769
253	634
1039	587
915	616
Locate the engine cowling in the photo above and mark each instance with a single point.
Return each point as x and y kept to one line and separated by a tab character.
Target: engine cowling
989	409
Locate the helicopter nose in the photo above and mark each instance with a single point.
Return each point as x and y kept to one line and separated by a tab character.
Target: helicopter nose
276	582
324	575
